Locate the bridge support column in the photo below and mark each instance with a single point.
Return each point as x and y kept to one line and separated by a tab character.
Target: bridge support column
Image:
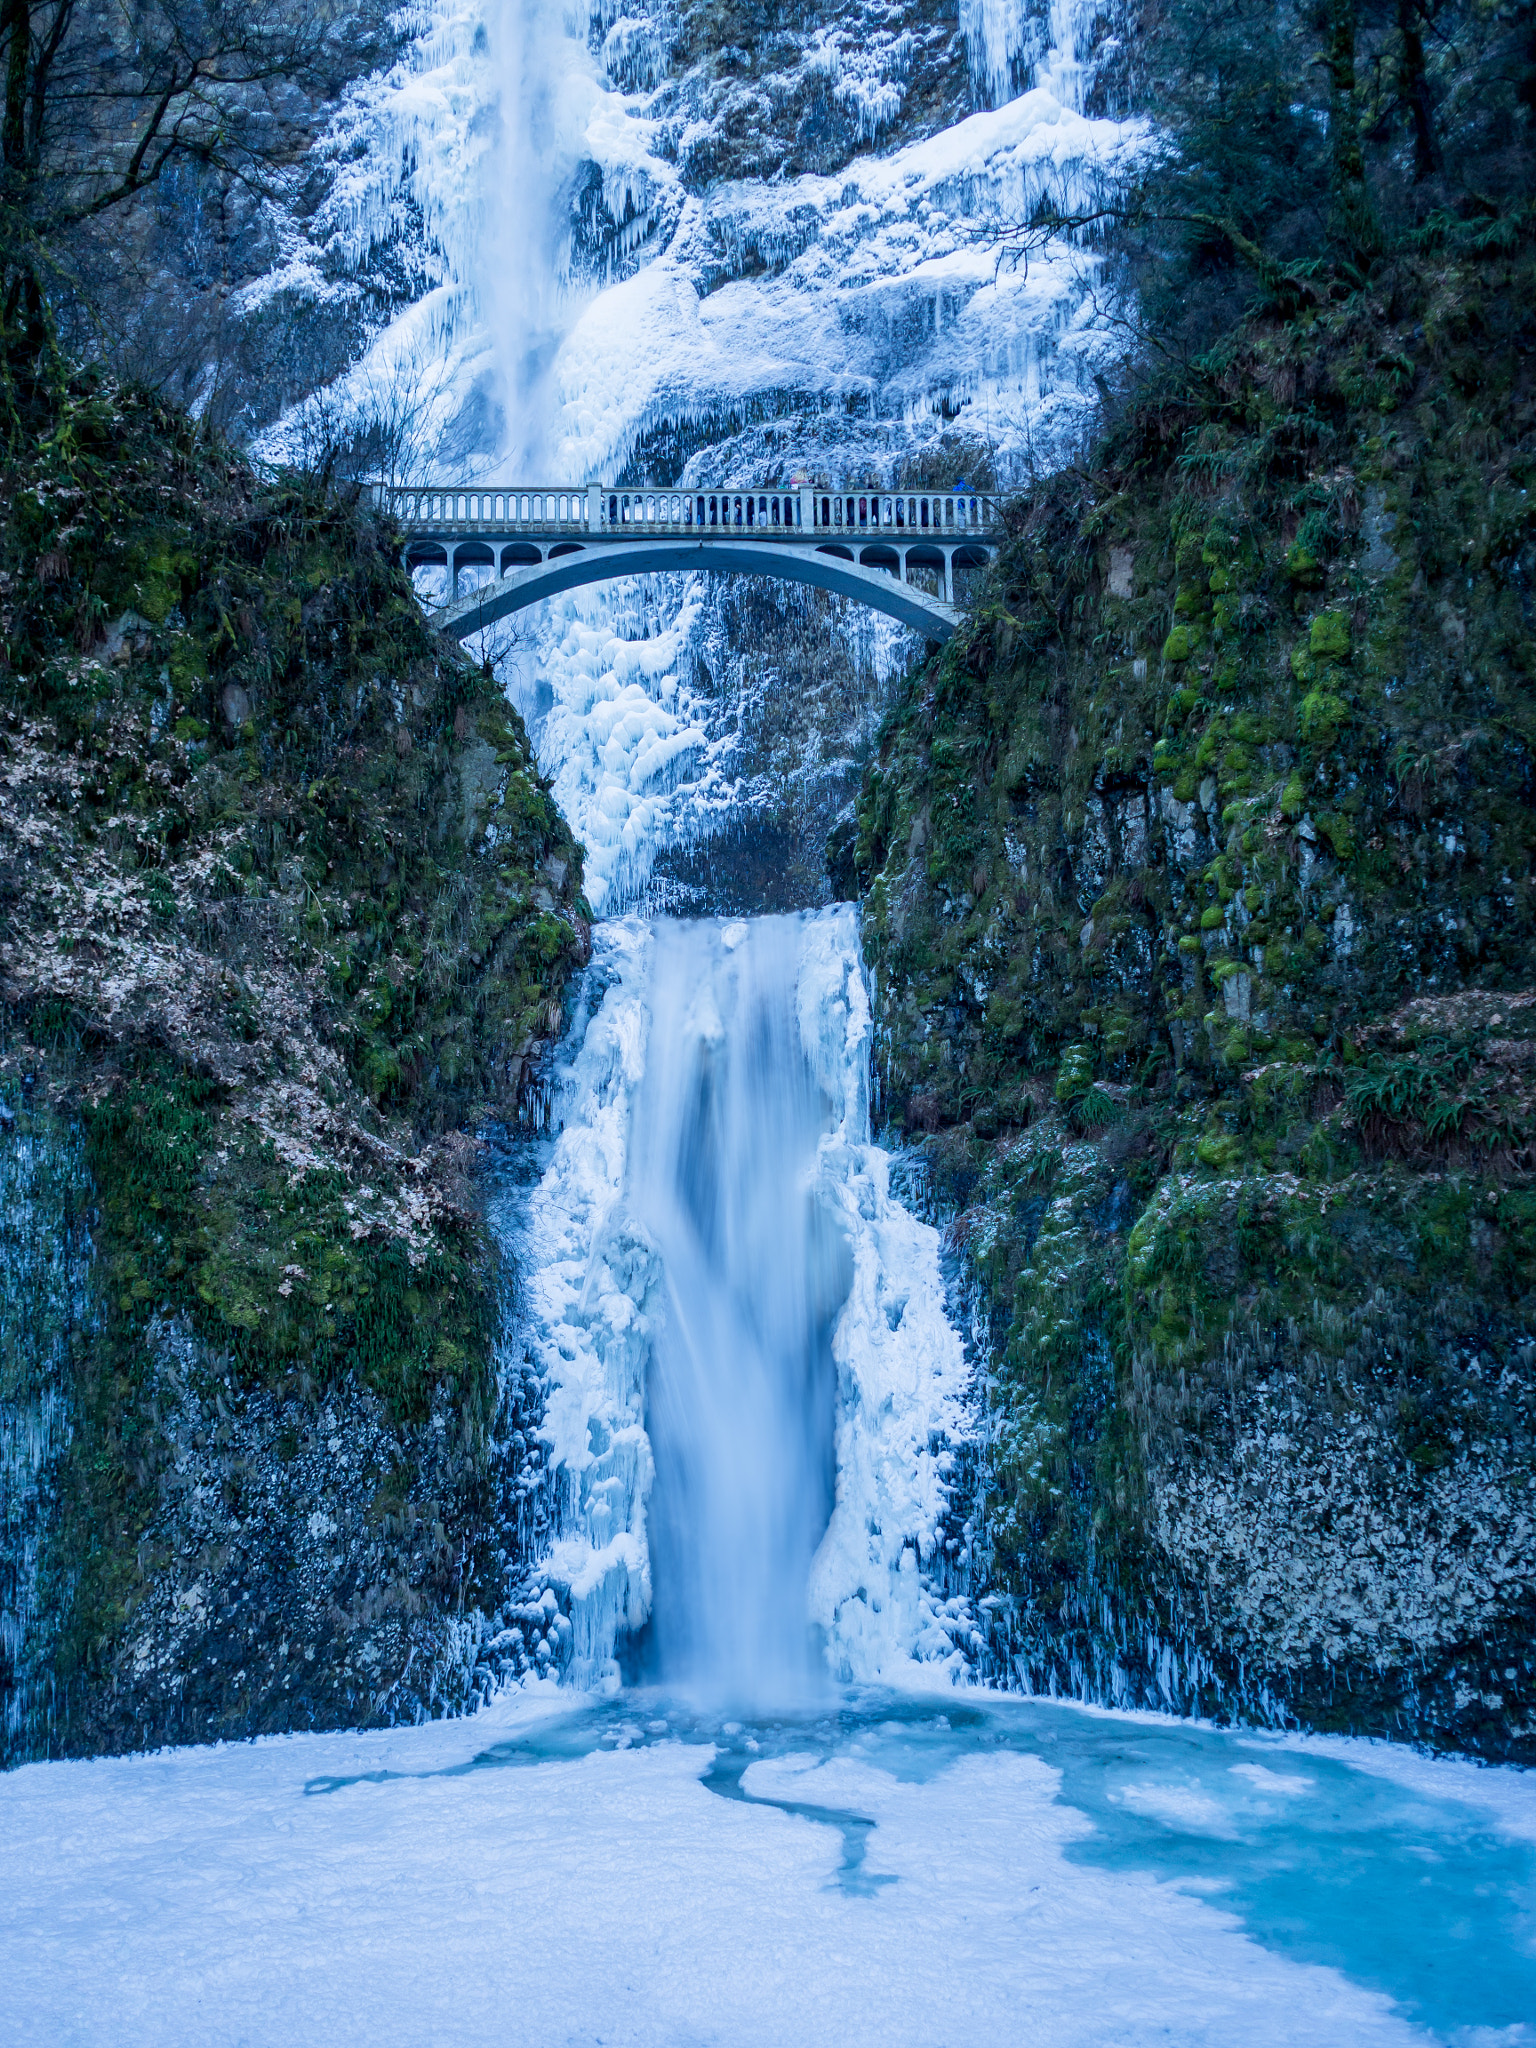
949	575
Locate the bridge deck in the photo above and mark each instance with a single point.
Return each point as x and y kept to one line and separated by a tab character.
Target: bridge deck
454	510
538	542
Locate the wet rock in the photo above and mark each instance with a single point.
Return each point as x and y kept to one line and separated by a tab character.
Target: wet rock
235	704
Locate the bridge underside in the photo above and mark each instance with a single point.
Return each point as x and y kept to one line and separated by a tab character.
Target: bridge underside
528	574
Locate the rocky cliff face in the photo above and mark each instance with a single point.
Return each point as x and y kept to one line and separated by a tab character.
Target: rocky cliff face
176	286
1196	881
1199	878
286	902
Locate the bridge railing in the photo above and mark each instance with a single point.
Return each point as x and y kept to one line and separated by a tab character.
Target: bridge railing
464	509
804	513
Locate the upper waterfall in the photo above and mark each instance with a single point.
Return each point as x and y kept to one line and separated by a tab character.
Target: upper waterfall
581	283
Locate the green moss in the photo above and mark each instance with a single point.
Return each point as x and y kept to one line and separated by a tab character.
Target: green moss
1076	1073
1302	565
1329	638
325	831
1231	1123
1322	715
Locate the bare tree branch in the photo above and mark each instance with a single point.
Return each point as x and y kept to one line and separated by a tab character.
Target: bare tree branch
197	75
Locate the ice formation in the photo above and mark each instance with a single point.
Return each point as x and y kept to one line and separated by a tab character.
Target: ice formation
1041	1874
44	1307
621	732
882	283
879	300
768	1021
874	295
885	289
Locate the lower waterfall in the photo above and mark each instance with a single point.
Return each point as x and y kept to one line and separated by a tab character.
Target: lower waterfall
752	1391
740	1397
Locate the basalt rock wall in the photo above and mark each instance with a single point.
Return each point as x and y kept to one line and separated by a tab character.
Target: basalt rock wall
1198	883
288	910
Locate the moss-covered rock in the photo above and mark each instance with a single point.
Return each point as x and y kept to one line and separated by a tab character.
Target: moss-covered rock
287	904
1201	924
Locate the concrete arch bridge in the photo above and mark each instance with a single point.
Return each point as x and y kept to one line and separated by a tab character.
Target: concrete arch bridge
863	544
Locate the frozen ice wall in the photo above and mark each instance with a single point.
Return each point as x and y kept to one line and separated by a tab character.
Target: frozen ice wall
997	35
752	1387
510	132
459	163
886	298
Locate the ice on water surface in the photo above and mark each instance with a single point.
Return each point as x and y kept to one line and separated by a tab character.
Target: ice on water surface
884	1870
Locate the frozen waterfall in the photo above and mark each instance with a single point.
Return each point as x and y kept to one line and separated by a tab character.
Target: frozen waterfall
752	1389
522	162
741	1388
751	1392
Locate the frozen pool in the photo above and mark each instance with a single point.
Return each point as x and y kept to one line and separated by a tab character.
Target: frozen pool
936	1869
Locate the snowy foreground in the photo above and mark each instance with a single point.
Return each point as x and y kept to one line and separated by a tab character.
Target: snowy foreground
949	1869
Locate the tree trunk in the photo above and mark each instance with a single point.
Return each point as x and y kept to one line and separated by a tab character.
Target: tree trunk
1354	216
1413	84
16	20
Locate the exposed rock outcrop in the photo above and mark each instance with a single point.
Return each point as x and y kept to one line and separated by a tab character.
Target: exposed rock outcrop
286	905
1199	889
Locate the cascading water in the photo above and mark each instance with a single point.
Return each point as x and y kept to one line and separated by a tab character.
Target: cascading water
742	1386
545	91
752	1389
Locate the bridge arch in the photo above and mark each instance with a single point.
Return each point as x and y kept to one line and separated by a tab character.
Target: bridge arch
473	554
875	579
895	550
